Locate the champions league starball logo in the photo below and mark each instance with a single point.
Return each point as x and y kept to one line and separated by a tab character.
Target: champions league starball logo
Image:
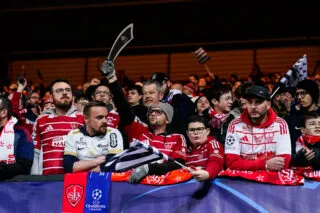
95	205
230	140
96	195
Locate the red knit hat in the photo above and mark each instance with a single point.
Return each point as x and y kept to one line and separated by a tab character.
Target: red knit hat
191	87
47	100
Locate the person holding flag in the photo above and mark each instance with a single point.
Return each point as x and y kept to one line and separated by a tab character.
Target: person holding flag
153	134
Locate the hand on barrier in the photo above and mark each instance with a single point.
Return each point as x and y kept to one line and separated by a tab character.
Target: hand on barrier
275	164
200	175
139	173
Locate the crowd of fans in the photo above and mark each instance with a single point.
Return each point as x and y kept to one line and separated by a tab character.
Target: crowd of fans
206	123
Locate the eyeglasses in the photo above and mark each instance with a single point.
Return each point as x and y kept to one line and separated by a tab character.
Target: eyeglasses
157	112
62	90
196	130
302	94
102	93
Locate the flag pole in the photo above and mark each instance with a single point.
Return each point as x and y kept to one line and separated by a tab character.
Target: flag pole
164	156
275	92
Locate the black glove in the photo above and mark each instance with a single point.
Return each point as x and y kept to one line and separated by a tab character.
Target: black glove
138	174
107	69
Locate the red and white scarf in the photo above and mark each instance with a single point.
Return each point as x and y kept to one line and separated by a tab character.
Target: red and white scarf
7	142
217	119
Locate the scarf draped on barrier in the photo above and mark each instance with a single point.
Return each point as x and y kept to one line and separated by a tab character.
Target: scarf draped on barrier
86	192
89	192
283	177
308	173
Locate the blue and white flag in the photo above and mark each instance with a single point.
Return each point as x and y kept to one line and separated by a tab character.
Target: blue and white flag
138	154
296	73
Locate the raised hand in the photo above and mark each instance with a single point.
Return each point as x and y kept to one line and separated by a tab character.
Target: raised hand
107	69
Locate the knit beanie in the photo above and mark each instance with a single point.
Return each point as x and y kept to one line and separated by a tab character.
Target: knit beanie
191	87
310	87
166	108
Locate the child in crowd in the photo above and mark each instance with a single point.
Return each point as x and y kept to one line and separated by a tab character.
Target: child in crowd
204	152
308	145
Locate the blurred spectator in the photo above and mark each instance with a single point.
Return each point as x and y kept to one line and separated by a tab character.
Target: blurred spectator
256	74
135	101
102	93
94	81
47	104
190	90
16	154
234	78
181	103
202	103
80	101
177	86
202	86
282	101
193	78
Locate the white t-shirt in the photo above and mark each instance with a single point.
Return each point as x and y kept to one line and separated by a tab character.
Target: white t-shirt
85	147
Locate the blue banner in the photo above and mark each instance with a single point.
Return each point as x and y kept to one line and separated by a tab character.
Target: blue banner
97	192
224	195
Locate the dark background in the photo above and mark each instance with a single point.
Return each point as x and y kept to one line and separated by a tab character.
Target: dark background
45	29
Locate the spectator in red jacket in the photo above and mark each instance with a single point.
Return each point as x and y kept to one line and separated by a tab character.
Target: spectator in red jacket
204	152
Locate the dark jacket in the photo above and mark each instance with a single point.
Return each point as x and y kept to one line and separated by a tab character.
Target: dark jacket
294	120
300	159
183	109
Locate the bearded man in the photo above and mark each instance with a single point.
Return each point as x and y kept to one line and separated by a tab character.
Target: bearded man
51	129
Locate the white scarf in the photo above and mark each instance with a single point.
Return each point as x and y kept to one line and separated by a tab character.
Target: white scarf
7	142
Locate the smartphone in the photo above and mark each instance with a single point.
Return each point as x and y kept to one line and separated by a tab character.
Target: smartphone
20	79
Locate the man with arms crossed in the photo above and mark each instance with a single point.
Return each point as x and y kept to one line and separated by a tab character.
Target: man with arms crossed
88	147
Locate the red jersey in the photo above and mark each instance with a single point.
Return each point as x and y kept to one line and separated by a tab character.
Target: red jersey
113	119
208	156
49	136
173	145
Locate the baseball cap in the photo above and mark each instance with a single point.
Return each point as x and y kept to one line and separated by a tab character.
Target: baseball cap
159	76
166	108
258	92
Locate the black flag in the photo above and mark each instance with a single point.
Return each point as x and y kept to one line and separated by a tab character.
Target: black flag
121	42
